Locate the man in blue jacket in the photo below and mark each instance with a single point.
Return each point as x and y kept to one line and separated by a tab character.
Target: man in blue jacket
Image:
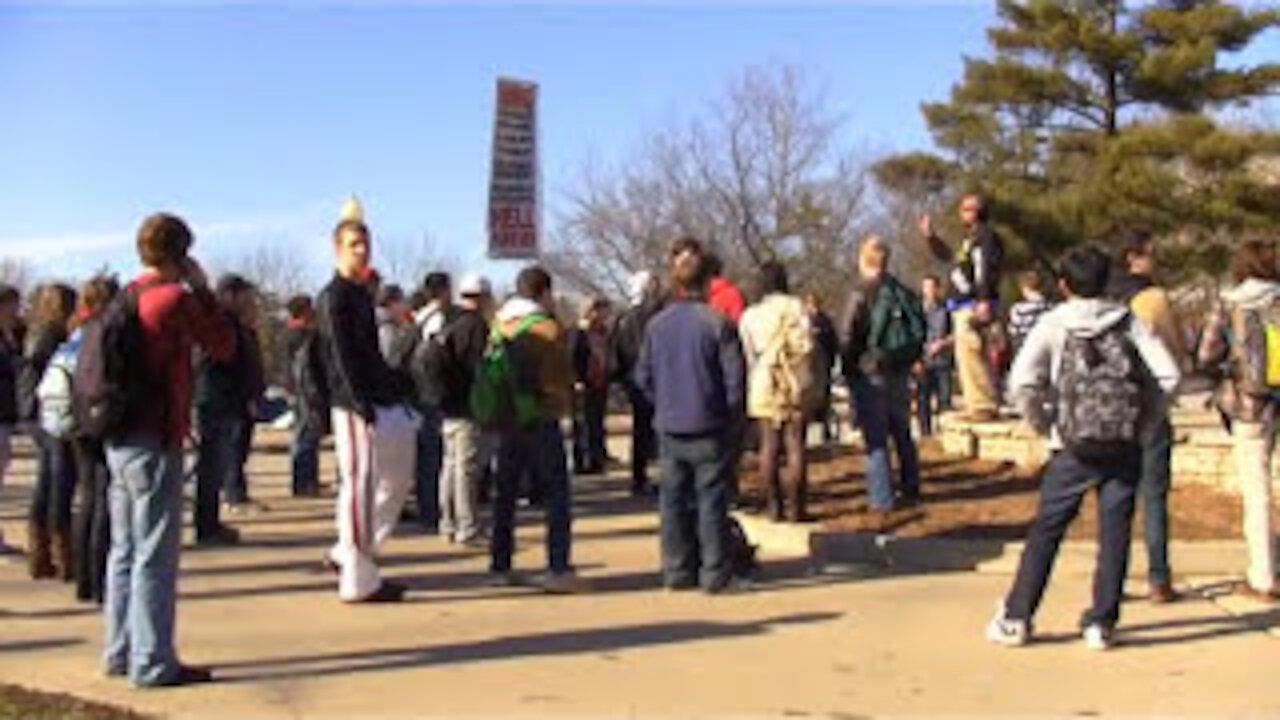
691	368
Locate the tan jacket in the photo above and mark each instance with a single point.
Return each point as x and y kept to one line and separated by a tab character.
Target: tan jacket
547	348
1152	306
778	344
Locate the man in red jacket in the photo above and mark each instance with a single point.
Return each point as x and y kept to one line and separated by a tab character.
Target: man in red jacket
175	310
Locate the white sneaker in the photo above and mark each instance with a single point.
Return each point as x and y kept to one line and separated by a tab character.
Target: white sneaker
1099	638
1004	631
564	584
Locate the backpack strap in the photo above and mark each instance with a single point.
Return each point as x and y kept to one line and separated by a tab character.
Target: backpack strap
526	324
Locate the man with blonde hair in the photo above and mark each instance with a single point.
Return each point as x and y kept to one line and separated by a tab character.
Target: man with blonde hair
882	334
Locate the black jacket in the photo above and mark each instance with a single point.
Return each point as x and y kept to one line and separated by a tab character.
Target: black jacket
40	348
976	272
463	340
826	341
627	338
358	376
855	322
230	387
10	364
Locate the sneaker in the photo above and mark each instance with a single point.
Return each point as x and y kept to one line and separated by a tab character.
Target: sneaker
1099	638
186	675
505	578
566	583
387	592
222	537
732	586
1162	594
1005	631
478	541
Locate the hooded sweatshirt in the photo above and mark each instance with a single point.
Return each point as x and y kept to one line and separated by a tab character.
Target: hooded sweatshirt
1251	295
1035	370
545	351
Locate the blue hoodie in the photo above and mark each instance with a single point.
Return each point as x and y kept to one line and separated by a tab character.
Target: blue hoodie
691	369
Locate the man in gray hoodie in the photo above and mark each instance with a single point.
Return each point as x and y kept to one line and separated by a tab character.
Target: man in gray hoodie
1094	379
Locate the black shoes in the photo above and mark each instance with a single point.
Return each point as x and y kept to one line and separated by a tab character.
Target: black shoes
387	592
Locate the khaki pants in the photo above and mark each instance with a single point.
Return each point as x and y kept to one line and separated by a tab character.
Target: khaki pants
976	385
1252	445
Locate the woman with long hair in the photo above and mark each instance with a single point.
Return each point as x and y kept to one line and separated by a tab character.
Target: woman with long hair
10	360
48	536
91	531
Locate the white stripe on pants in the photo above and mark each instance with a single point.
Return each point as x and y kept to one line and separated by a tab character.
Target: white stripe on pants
376	463
1252	447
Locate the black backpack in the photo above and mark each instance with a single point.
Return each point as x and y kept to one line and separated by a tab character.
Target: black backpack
110	377
1102	386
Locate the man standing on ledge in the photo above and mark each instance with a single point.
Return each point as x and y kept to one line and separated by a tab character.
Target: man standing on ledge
975	287
375	433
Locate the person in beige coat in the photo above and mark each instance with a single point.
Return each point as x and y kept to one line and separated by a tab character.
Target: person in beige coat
777	343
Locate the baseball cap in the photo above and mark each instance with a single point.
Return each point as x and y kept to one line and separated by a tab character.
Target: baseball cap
473	284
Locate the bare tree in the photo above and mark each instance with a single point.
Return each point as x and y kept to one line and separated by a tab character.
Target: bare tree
276	270
17	273
758	175
407	261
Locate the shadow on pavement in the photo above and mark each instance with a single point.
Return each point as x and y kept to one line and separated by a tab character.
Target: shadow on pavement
575	642
33	645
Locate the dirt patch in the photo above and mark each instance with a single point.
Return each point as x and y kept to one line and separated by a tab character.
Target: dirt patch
981	499
21	704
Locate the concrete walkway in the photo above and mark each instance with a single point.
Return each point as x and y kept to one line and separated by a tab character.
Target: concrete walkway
841	645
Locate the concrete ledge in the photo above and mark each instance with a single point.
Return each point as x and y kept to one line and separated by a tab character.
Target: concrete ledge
997	557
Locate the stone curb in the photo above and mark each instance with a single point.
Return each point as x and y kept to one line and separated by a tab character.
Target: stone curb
997	557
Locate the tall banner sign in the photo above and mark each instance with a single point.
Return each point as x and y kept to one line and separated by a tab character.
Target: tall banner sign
514	179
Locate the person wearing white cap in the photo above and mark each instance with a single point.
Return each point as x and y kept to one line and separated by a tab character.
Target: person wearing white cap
456	352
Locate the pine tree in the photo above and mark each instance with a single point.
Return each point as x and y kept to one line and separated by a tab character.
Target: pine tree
1097	117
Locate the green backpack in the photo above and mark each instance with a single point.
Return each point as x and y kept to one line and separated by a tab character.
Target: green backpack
897	328
498	398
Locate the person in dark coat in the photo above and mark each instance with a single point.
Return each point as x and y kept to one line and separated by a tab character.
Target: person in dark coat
624	351
11	336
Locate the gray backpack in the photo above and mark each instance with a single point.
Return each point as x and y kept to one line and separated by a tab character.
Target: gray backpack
1102	386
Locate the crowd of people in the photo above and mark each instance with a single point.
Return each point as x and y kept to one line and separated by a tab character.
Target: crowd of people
455	398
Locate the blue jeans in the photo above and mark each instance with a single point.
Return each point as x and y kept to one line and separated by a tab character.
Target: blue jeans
883	405
935	382
55	487
540	450
305	456
430	459
220	461
588	431
145	499
1154	486
694	507
1062	488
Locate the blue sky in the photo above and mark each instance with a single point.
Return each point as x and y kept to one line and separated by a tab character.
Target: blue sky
255	122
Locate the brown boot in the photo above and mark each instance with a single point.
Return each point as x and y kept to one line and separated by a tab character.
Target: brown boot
39	565
61	555
800	502
776	509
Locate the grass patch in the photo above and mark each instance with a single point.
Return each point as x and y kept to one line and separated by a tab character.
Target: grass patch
21	704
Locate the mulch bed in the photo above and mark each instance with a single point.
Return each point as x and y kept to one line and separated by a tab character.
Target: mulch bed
980	499
21	704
